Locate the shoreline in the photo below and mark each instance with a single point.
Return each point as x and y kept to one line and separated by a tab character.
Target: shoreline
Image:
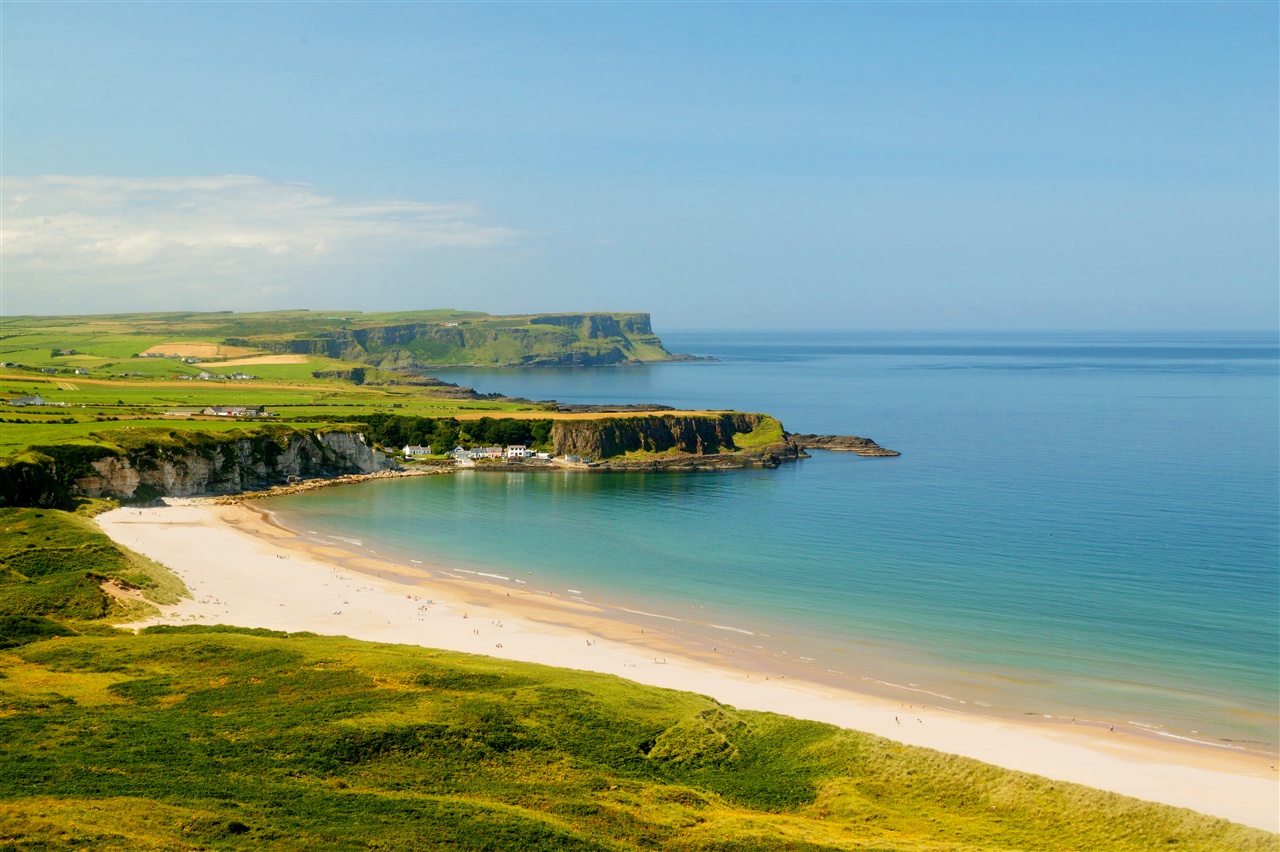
244	568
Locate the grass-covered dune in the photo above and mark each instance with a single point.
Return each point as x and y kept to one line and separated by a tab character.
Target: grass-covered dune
55	571
216	738
205	739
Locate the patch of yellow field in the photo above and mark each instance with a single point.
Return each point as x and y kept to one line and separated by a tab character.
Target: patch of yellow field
199	349
28	679
262	359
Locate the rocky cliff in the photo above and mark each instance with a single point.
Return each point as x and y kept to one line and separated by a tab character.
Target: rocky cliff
540	340
185	464
236	465
718	435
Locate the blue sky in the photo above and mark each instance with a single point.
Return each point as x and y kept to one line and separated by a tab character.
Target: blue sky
916	166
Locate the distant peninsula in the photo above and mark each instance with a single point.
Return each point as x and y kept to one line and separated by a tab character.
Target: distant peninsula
139	406
364	345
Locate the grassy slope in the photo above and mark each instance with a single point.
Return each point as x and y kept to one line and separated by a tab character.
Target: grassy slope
217	738
767	432
228	741
52	565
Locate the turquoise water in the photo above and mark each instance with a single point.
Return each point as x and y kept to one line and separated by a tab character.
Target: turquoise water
1079	525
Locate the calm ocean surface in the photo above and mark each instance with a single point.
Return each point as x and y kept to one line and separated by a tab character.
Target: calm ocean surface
1079	524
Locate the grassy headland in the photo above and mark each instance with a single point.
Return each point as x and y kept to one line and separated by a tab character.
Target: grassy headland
291	345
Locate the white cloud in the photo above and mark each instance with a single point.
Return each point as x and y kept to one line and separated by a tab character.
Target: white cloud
64	237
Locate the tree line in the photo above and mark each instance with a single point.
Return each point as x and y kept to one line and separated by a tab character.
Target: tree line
445	433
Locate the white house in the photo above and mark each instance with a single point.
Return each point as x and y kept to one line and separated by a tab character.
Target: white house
412	450
81	371
236	411
28	400
518	451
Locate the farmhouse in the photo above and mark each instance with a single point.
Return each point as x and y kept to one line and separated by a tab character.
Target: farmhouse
28	400
236	411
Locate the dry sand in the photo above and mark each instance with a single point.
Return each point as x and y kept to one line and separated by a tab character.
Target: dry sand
243	570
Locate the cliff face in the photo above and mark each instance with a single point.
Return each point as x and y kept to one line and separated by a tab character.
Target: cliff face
30	482
548	340
701	435
231	466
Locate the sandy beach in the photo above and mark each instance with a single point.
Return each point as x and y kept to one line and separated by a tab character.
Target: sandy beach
244	570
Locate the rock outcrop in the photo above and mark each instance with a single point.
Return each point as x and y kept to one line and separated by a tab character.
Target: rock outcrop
154	463
842	444
233	466
693	440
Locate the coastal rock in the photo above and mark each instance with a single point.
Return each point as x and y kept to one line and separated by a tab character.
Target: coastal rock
685	440
232	466
842	444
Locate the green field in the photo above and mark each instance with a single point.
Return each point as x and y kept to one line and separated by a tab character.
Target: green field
216	738
326	365
401	342
93	405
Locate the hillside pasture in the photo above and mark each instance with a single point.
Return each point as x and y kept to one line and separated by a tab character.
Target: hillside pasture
226	738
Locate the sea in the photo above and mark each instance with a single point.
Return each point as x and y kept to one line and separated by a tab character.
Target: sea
1080	525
